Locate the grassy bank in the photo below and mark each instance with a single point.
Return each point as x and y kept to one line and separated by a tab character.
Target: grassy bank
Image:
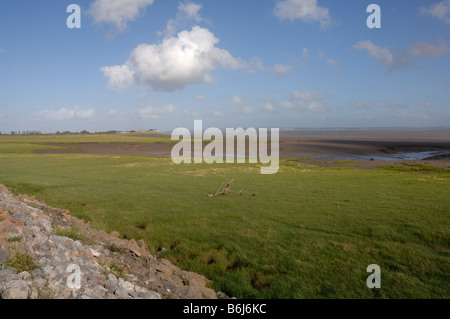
305	232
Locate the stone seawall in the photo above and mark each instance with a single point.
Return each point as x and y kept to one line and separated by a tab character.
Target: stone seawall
47	253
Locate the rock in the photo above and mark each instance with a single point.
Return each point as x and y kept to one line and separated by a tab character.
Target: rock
48	270
94	253
111	277
126	285
222	295
115	234
65	212
149	295
24	275
7	274
134	248
39	282
4	215
99	292
111	285
3	258
121	293
16	289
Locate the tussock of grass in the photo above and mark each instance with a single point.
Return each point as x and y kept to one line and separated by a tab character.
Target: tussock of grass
22	262
114	248
14	239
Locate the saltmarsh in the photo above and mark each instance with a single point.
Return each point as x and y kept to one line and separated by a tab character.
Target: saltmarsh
305	232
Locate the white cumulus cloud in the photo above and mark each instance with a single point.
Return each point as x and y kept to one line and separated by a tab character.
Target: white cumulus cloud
171	65
120	76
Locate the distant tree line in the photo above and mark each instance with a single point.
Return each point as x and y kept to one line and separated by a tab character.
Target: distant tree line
26	133
84	132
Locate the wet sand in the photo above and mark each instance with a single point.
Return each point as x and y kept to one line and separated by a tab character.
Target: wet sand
366	145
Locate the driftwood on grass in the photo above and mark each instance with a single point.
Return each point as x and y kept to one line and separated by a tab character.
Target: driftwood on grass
224	191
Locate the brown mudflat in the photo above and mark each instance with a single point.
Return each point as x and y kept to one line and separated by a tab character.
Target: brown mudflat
323	146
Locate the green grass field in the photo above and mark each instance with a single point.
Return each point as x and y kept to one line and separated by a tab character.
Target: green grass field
305	232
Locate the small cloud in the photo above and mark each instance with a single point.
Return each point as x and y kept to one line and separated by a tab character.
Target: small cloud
189	113
282	69
390	105
268	107
305	53
152	112
120	76
200	97
383	55
218	114
337	64
187	12
307	100
117	12
425	49
309	95
425	103
236	100
359	104
307	11
300	106
245	108
439	10
279	69
400	59
66	114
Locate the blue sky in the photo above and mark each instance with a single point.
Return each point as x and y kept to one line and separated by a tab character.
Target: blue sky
253	63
